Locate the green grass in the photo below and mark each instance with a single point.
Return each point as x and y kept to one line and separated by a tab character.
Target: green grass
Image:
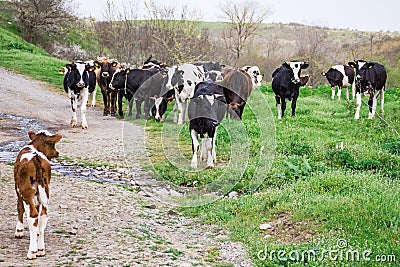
350	194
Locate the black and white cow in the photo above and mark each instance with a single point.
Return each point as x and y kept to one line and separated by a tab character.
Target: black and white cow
206	110
79	82
209	65
255	75
141	85
214	76
370	80
153	63
161	103
183	79
341	76
286	81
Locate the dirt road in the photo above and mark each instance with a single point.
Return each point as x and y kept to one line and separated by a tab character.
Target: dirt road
98	223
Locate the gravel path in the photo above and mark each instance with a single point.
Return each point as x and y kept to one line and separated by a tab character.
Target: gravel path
99	223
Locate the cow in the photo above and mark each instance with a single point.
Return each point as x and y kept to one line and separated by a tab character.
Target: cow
341	75
209	65
161	103
214	76
107	68
286	81
79	81
141	85
237	85
153	63
183	79
255	75
32	173
92	87
206	110
370	79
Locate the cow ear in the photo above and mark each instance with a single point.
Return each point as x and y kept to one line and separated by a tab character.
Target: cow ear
114	64
96	64
352	64
91	68
128	70
181	72
61	71
286	65
69	66
305	65
55	138
31	135
370	65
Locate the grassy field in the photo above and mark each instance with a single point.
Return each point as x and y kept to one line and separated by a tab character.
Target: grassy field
317	198
320	205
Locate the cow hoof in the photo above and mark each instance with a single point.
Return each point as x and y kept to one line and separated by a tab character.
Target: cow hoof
73	124
40	253
31	255
84	126
121	114
105	113
112	114
194	165
210	166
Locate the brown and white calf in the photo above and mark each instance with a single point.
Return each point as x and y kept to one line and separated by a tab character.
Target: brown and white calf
32	171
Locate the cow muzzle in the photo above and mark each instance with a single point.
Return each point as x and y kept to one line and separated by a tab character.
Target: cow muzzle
80	84
105	74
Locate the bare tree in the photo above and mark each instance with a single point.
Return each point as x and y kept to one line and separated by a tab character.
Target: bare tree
40	19
175	36
244	18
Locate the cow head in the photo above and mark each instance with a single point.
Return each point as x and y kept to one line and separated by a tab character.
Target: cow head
174	78
107	67
295	67
78	77
361	67
255	74
45	142
119	79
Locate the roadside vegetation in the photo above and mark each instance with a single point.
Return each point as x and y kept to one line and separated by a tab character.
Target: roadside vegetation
315	196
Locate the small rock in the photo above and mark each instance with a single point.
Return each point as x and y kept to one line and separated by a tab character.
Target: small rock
63	206
172	212
265	226
233	194
151	206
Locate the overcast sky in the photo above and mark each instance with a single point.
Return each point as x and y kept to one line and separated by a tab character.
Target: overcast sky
370	15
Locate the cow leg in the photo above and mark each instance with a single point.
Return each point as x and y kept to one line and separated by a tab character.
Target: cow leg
203	149
43	218
130	107
210	161
147	106
32	219
372	106
105	101
347	93
353	89
333	92
382	100
74	106
195	147
93	98
85	96
138	108
19	229
358	105
176	111
120	95
294	101
180	112
339	92
184	107
213	146
113	106
278	106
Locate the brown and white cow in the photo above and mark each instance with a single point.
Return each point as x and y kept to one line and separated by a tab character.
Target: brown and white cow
32	172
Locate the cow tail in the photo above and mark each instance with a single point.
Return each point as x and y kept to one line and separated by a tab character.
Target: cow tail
40	180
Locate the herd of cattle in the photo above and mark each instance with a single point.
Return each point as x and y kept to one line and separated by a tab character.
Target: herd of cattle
206	91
